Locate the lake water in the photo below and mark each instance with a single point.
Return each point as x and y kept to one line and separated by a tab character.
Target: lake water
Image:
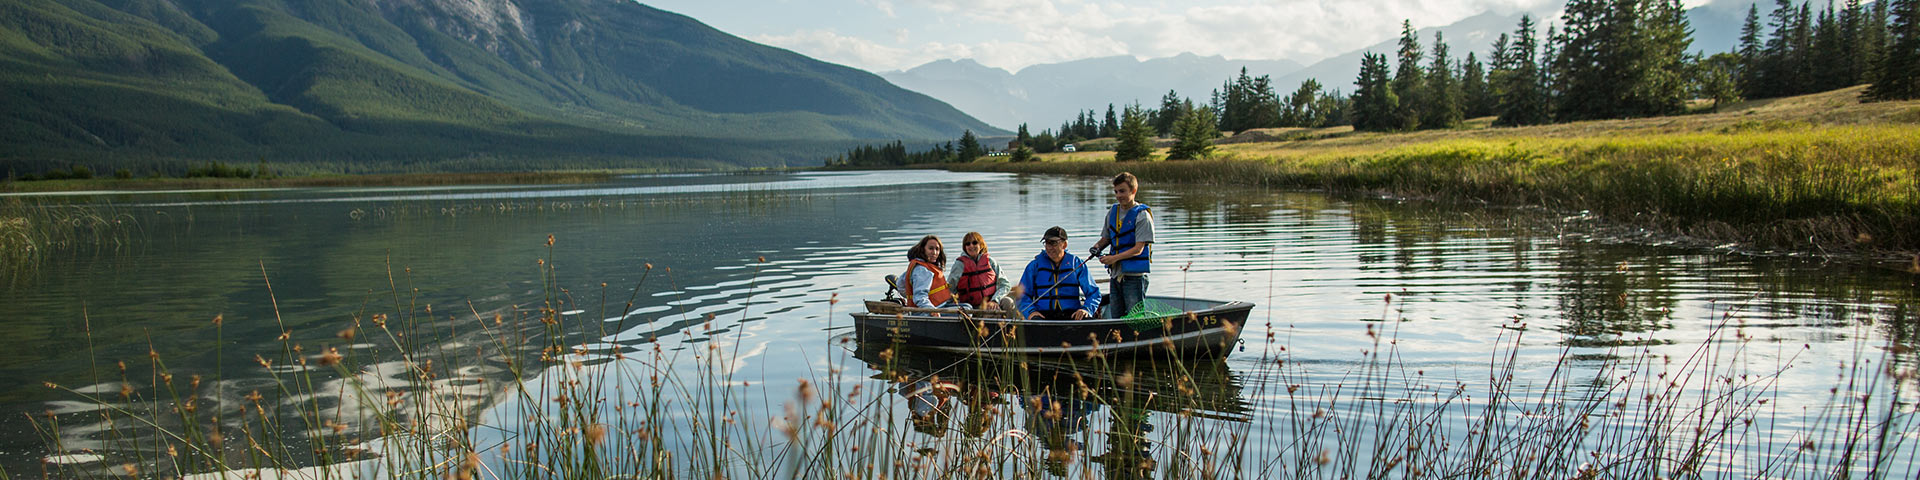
751	263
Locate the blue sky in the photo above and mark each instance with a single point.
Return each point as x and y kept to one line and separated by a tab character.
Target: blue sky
879	35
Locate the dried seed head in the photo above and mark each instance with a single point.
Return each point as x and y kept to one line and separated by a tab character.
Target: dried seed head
330	357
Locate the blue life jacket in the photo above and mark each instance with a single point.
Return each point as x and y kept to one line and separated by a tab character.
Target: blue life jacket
1056	286
1120	230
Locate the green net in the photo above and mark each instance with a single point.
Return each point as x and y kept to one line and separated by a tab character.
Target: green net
1146	315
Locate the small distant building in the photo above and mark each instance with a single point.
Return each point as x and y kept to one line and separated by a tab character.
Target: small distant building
1068	148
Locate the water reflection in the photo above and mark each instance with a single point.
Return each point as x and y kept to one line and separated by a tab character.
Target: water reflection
1447	279
1092	409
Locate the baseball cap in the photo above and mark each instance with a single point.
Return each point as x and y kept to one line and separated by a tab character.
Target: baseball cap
1055	233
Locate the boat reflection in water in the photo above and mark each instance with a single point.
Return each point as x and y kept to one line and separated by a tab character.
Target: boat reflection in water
1064	404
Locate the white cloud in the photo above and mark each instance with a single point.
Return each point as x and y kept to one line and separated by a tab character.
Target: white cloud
859	52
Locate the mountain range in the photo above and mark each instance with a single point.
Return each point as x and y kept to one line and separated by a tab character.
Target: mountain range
357	85
1044	95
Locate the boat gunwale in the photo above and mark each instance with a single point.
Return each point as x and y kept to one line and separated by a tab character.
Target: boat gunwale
1222	306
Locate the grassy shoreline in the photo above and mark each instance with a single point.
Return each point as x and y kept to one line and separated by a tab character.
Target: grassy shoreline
1817	173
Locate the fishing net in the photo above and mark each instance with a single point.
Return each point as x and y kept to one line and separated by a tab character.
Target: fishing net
1146	314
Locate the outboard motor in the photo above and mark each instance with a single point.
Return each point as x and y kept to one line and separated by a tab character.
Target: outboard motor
893	289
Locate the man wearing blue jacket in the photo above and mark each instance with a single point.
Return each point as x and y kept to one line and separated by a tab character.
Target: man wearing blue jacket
1056	285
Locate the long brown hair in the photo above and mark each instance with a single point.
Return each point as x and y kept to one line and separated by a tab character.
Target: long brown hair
919	251
973	237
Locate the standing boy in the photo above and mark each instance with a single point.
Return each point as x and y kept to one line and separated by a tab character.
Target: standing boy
1056	285
1128	229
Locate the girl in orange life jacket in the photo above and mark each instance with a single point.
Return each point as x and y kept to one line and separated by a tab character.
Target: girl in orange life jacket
976	278
926	286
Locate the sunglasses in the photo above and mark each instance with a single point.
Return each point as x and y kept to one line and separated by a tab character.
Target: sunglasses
972	243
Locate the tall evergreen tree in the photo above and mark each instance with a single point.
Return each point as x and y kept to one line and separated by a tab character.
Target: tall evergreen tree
1661	36
1194	134
1135	137
1751	51
1374	104
1023	138
1829	52
1897	76
1776	70
1409	80
1170	113
1802	78
1847	45
1476	95
1263	108
1301	108
1621	58
1522	98
1442	109
1714	78
1111	126
969	147
1873	41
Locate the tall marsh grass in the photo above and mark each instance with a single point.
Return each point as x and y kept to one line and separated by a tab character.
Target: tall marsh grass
395	394
32	232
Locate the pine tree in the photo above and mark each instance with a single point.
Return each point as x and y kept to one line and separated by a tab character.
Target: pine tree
1847	50
1374	103
1301	108
1443	108
1897	76
1588	70
1023	138
1021	154
969	147
1263	107
1828	59
1135	137
1169	113
1409	81
1658	60
1751	53
1111	126
1873	41
1621	58
1802	78
1522	97
1713	78
1476	96
1193	135
1777	66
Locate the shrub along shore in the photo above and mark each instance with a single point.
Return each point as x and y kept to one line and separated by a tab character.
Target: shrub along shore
1818	173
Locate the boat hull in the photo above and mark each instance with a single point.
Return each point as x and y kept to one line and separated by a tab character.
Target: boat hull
1203	329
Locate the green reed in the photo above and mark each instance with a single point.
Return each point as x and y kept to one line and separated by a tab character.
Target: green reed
579	407
31	232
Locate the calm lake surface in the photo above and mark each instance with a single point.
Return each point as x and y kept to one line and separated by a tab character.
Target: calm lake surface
751	262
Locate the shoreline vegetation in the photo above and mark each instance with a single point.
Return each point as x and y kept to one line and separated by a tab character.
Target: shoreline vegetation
1820	173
